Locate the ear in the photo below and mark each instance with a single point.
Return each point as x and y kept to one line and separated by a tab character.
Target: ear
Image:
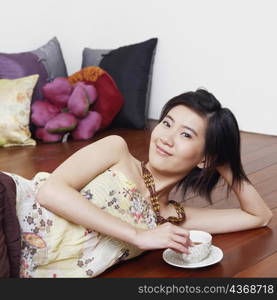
201	164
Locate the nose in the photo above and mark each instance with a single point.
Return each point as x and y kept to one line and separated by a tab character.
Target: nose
168	140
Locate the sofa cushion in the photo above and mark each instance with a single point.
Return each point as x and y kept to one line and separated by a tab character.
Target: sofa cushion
131	68
52	58
15	100
17	65
93	57
46	61
109	99
9	229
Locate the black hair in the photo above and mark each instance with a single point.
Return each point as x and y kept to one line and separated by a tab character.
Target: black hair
222	143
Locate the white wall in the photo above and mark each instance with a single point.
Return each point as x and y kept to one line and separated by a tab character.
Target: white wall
229	47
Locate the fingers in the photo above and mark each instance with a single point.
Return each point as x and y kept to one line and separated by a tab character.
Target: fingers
185	233
190	243
180	230
178	247
179	238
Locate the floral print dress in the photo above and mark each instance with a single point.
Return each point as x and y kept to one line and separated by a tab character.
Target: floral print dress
55	247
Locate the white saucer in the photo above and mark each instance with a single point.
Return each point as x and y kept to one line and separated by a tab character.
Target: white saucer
175	259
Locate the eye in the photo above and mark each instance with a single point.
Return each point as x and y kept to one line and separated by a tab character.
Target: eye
166	123
186	135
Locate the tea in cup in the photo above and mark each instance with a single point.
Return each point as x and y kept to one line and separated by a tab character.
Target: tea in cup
201	247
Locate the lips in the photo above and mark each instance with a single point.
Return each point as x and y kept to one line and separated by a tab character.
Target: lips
162	151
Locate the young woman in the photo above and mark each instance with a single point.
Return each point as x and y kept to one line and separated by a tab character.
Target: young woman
102	205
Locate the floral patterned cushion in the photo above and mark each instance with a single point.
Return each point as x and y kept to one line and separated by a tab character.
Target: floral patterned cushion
15	101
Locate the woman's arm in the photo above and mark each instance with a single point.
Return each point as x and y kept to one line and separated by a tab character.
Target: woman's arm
253	211
60	194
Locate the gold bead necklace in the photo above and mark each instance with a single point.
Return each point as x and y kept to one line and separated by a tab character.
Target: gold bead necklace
150	184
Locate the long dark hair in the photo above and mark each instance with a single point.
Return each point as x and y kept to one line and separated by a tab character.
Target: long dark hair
222	143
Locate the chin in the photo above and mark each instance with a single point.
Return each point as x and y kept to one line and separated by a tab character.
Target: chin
166	163
158	161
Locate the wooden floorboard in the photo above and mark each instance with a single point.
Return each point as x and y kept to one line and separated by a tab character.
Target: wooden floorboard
265	268
260	152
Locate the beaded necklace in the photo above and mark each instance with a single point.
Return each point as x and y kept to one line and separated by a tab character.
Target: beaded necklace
150	184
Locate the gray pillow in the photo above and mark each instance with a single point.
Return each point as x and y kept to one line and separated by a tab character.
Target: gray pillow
93	57
51	57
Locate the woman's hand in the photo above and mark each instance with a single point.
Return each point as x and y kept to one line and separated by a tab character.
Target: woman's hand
163	236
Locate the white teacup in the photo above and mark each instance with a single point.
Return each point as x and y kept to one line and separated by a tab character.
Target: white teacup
202	246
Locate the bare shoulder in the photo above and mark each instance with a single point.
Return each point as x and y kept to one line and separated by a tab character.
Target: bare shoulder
113	145
117	144
117	149
116	139
112	141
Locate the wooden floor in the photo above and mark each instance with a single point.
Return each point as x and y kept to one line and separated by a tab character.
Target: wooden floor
250	253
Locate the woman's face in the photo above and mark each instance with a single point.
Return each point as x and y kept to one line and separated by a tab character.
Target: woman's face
177	142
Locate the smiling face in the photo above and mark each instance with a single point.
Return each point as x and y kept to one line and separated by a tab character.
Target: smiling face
177	142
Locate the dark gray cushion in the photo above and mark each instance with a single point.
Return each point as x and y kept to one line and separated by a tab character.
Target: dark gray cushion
131	67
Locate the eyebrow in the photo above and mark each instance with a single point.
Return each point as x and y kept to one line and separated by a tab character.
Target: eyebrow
184	126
